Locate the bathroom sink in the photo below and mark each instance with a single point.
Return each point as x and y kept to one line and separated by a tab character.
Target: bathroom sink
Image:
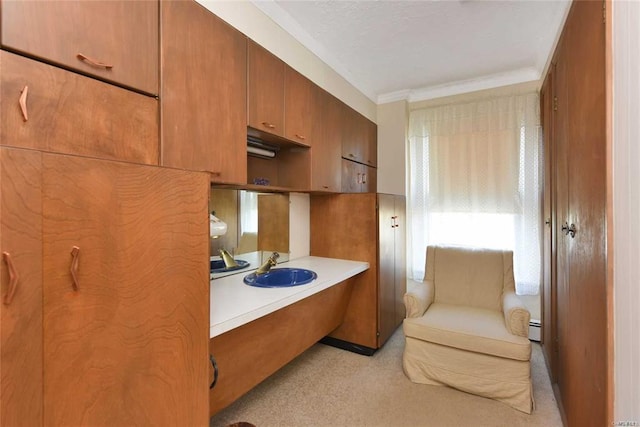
281	278
217	266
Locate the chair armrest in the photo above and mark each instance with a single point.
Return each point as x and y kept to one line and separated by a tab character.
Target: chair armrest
516	315
418	298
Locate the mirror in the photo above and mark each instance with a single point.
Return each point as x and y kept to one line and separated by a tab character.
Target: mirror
257	225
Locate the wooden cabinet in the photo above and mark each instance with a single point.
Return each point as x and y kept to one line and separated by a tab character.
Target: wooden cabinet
364	227
358	178
50	109
21	353
265	87
576	299
326	163
359	138
113	292
301	107
204	102
116	41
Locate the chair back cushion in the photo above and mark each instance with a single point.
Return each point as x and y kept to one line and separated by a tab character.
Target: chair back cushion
470	276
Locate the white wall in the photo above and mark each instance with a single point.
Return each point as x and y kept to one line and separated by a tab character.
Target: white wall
392	147
251	21
626	210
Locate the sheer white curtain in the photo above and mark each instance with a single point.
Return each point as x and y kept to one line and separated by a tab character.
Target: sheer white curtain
475	180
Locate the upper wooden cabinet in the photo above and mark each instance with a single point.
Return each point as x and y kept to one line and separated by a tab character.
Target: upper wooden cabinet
204	87
327	146
359	139
115	41
265	87
50	109
301	107
358	178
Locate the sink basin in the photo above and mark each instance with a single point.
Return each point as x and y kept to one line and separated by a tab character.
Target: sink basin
281	278
217	266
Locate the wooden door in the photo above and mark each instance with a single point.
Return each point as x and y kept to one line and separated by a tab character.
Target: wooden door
351	176
300	107
204	95
21	308
369	179
563	344
326	163
125	343
265	91
371	140
586	400
400	241
92	118
116	41
386	267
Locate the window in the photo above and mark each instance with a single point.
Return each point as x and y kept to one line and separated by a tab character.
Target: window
475	180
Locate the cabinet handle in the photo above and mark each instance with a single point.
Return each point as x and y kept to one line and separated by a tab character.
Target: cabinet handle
394	221
13	279
75	254
93	62
352	155
215	372
268	125
359	181
23	103
364	178
326	187
302	137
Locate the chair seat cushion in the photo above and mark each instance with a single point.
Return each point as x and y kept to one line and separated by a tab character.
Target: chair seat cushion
469	328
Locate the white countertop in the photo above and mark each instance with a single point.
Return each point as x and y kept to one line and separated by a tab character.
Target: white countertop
233	303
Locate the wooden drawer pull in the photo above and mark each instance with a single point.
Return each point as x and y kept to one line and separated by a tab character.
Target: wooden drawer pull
75	254
23	103
13	279
215	372
269	125
302	137
93	62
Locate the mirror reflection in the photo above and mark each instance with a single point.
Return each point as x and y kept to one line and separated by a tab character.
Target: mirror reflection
256	225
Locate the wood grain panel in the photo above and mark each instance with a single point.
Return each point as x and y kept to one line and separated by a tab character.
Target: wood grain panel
265	91
92	118
130	346
400	237
300	107
386	268
21	320
345	226
326	163
204	88
273	222
250	353
122	33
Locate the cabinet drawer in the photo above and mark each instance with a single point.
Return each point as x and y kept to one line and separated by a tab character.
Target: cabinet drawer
119	39
68	113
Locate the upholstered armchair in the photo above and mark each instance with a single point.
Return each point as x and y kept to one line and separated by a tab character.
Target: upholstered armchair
466	327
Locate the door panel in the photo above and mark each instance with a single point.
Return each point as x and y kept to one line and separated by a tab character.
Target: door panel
386	272
129	346
21	317
400	257
265	91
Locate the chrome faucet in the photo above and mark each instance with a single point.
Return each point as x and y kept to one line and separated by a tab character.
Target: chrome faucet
266	266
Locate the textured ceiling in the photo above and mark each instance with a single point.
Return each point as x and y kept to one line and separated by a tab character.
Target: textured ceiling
423	49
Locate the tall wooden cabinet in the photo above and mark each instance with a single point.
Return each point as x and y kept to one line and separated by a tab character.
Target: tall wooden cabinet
575	299
365	227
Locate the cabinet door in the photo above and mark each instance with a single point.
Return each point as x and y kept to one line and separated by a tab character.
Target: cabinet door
386	268
113	40
265	91
400	257
301	107
92	118
351	176
352	141
371	141
125	340
369	179
326	164
21	307
204	110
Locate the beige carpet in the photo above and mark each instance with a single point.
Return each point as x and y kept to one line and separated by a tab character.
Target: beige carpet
326	386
